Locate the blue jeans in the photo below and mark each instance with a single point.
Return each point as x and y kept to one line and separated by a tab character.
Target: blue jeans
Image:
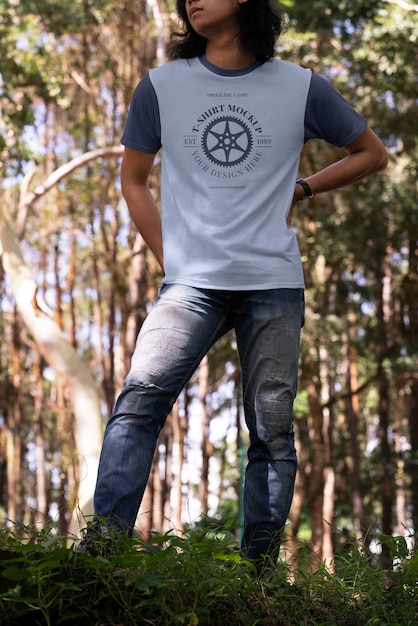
183	324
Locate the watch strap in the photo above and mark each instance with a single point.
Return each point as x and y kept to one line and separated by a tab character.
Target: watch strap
307	191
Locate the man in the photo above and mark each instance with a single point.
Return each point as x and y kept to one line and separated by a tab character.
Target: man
231	121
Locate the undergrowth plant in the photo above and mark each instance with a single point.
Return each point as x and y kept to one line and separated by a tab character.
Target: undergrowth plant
195	579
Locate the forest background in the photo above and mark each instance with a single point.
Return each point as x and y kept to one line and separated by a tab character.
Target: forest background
76	282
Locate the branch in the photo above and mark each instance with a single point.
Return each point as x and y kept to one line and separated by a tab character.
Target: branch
403	4
349	394
29	198
391	350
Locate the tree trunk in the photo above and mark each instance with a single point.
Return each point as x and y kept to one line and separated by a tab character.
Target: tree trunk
329	473
352	409
13	450
291	545
316	476
400	497
410	311
13	442
41	514
413	465
146	511
206	447
383	284
3	465
167	478
64	360
178	436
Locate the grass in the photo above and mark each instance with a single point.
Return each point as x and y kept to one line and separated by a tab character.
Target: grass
198	579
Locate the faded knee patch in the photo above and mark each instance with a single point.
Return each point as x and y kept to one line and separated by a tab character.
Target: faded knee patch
274	422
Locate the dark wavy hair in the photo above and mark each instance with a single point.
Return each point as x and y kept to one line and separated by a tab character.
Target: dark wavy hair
261	23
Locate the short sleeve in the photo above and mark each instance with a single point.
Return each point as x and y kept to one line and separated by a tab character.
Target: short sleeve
143	127
329	116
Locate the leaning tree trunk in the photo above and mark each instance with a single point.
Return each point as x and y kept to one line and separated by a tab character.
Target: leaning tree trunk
56	350
62	357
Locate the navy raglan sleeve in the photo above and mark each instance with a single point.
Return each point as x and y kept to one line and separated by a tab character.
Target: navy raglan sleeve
143	127
329	116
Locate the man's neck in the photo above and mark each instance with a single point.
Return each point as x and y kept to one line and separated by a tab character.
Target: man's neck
228	56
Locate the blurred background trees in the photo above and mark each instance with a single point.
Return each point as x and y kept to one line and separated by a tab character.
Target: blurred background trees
76	281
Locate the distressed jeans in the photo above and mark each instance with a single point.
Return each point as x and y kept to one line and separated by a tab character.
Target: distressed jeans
181	327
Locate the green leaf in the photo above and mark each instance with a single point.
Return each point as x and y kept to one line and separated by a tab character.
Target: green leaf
16	573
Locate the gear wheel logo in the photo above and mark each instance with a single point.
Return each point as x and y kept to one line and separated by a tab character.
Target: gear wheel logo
227	141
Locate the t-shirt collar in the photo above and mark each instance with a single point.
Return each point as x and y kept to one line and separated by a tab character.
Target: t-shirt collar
224	72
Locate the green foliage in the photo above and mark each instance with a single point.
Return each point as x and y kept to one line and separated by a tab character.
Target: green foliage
195	579
316	16
67	72
41	43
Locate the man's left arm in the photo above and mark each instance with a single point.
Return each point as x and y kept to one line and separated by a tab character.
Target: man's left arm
366	155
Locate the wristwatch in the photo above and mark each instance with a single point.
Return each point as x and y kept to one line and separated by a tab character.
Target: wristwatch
307	191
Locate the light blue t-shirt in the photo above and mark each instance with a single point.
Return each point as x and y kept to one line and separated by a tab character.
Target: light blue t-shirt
231	143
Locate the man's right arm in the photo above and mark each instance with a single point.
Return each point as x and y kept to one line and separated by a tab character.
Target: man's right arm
135	171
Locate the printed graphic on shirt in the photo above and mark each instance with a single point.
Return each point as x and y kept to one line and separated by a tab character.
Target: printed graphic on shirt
227	141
